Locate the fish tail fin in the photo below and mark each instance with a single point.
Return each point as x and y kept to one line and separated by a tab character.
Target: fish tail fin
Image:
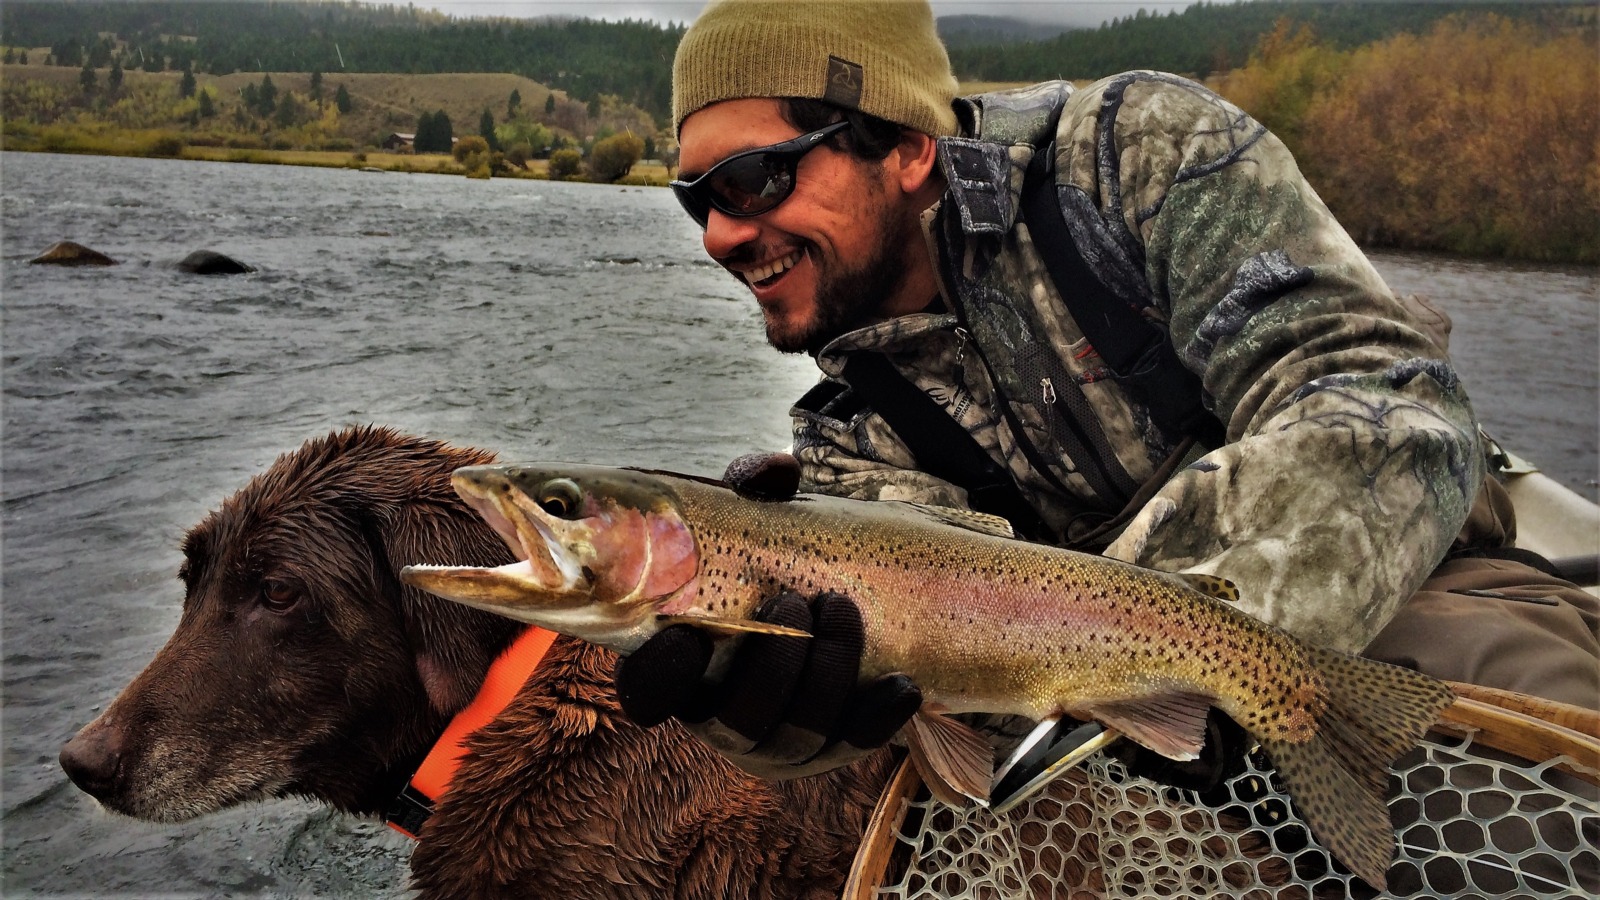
1374	713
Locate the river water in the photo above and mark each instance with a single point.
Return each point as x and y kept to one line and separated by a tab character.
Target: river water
539	319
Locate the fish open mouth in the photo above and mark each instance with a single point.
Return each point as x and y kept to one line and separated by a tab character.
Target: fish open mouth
543	568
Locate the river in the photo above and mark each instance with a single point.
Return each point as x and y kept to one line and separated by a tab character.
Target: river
539	319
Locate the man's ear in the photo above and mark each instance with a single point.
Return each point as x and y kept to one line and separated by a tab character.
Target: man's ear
914	165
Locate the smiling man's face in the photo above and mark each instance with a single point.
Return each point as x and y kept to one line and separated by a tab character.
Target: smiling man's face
831	257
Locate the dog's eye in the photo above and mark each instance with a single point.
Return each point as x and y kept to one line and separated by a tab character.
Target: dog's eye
279	596
561	498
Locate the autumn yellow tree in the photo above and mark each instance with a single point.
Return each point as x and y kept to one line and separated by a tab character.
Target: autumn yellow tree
1285	74
1481	136
1478	137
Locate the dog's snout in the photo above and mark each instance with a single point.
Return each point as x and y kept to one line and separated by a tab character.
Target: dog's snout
93	758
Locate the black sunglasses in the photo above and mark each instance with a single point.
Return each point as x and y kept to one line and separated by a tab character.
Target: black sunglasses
750	183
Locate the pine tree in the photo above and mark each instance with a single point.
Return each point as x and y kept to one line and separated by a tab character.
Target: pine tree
443	133
316	89
114	80
289	112
433	133
549	103
342	99
207	108
486	129
86	79
186	86
266	96
11	57
513	106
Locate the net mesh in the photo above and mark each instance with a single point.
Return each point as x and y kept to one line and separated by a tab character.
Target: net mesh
1470	821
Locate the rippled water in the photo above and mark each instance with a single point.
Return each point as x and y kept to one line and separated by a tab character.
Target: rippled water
538	319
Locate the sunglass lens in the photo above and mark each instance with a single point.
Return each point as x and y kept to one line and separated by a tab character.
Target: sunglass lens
752	185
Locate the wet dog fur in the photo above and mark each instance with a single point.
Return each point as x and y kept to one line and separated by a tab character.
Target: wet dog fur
301	666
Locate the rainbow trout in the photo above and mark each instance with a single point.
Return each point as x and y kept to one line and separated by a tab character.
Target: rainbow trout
981	622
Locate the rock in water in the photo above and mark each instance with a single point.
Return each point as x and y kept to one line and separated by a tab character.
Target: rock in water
68	253
209	262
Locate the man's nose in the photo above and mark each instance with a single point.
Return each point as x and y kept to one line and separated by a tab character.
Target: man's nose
725	234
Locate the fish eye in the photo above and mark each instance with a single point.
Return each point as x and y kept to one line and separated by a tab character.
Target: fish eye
561	498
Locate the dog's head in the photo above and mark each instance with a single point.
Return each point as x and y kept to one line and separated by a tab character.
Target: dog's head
301	665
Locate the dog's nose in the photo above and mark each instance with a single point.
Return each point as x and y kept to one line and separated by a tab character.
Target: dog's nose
93	758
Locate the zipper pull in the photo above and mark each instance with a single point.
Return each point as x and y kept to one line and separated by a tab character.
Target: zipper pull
1048	390
959	372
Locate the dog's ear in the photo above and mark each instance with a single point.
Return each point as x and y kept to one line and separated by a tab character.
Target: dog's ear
453	644
398	488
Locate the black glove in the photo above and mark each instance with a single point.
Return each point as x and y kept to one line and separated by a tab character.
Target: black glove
1221	758
787	706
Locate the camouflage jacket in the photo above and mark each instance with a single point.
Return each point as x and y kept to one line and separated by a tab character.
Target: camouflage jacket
1352	454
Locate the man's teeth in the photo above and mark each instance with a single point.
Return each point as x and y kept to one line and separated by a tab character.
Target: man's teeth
765	272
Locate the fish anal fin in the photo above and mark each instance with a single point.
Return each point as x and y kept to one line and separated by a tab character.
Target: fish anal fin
722	627
1172	723
1212	586
955	761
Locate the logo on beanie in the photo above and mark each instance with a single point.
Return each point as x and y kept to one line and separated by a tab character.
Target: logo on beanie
844	83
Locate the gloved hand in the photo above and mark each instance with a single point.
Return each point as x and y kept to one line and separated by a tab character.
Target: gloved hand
1222	757
787	706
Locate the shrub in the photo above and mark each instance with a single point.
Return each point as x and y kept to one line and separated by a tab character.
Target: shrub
565	163
469	146
167	145
612	157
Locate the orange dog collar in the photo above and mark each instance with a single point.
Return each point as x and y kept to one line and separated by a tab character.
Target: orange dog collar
505	678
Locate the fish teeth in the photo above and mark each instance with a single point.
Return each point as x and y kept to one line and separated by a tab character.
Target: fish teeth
765	272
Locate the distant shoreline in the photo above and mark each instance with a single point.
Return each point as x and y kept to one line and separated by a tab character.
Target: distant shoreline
647	173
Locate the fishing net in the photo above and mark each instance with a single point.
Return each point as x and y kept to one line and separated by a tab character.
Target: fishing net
1470	821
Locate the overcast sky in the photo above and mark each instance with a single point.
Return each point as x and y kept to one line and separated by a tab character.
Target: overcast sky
1082	13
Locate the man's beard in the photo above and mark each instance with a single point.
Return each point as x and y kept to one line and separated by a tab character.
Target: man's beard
848	299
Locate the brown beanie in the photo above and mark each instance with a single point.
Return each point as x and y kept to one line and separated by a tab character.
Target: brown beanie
882	57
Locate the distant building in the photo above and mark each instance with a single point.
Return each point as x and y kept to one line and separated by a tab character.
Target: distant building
400	142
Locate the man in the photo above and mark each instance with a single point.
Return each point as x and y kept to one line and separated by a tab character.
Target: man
1292	427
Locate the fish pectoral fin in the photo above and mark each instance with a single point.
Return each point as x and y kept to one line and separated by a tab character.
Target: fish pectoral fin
729	627
1212	586
955	761
1172	724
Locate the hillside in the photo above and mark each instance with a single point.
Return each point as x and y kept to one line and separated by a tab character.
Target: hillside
632	60
1211	38
588	59
381	103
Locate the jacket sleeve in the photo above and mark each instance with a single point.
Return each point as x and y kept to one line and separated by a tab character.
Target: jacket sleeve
1352	455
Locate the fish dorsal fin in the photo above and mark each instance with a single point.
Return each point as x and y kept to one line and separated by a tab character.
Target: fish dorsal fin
722	627
955	761
1212	586
970	519
1172	723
